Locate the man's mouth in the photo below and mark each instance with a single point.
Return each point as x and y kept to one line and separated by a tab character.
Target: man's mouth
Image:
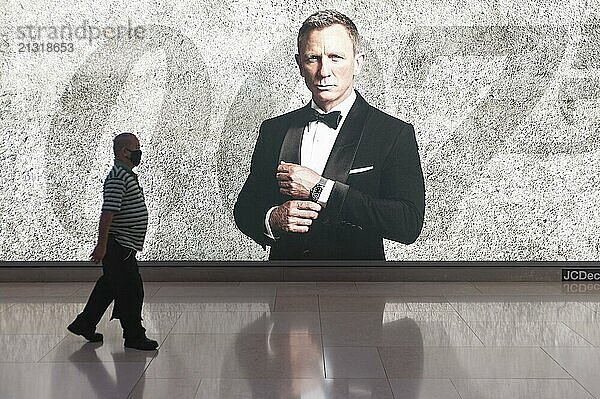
325	87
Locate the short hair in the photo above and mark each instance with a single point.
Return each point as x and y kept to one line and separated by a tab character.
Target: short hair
325	18
121	141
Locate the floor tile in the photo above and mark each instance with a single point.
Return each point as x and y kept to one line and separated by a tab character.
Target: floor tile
5	306
347	362
361	304
592	304
239	356
469	362
215	291
396	329
550	333
307	285
520	308
581	364
346	289
265	340
423	389
588	329
40	300
220	284
520	388
161	388
85	289
19	290
38	318
417	289
248	322
210	304
26	348
68	380
305	303
519	288
336	285
297	388
158	322
429	304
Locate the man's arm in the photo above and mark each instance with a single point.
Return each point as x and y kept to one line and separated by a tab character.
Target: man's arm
256	197
396	212
114	190
260	193
294	216
103	227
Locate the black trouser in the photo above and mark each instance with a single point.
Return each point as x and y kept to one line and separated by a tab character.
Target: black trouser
122	283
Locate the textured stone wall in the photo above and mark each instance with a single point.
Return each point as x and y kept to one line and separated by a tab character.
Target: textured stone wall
504	96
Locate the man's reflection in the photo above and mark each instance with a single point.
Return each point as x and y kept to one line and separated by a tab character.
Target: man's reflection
294	361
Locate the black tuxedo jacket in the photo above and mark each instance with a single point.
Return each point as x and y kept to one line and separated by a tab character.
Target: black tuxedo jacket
378	191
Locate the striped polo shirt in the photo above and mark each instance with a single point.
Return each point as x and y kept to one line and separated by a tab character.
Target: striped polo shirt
124	196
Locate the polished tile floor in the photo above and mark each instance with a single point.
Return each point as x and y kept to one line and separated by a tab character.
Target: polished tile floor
310	341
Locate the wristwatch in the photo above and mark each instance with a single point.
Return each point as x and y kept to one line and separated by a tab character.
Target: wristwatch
316	191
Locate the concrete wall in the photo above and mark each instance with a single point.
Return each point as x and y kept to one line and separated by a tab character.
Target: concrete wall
503	95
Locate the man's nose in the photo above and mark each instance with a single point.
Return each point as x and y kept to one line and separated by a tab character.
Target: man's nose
325	67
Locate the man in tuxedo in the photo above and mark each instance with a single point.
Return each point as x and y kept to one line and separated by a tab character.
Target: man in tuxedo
330	180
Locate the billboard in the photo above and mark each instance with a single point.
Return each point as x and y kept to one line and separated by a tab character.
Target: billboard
504	99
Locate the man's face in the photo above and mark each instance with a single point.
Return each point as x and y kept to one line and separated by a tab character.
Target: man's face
328	64
132	145
125	153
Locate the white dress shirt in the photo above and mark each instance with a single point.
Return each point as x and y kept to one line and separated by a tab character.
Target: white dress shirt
317	143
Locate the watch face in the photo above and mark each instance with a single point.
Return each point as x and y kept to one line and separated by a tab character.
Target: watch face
315	193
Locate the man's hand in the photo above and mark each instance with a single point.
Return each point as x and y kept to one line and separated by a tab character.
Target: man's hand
296	180
99	253
103	226
294	216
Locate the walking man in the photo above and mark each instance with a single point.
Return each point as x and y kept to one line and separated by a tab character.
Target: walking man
121	234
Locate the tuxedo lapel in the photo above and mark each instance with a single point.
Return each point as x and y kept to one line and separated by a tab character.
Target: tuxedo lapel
292	142
342	154
345	146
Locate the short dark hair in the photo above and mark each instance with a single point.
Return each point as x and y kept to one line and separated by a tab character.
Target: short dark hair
325	18
121	141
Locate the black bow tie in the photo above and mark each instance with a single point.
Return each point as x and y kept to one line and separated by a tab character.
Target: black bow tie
331	119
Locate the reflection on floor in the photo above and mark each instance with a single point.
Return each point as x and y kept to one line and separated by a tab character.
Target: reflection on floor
310	340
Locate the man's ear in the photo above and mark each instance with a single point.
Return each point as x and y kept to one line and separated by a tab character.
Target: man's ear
299	63
359	60
123	152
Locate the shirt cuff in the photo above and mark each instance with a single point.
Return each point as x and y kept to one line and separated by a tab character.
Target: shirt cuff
324	197
268	230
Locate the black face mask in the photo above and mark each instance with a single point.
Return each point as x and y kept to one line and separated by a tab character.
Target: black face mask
135	157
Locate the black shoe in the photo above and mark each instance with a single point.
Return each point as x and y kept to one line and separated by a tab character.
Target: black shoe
141	344
77	328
